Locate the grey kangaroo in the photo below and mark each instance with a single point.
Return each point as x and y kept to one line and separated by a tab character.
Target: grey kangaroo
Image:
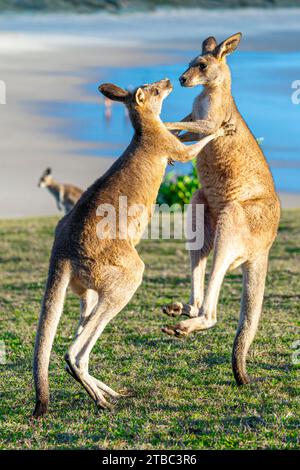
101	267
242	209
66	195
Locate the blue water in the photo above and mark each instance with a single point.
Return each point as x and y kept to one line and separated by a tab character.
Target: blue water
262	90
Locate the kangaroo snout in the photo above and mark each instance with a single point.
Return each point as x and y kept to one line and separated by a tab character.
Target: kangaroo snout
166	83
182	80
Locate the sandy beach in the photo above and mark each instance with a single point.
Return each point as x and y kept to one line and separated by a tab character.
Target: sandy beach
42	65
28	143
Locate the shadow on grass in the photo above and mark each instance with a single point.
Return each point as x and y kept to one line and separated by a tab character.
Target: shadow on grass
206	427
213	359
283	296
170	281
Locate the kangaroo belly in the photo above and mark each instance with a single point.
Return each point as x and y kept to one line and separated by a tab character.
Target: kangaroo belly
231	169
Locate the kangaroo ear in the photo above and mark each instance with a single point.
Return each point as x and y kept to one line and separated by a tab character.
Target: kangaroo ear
48	172
139	96
228	46
113	92
209	45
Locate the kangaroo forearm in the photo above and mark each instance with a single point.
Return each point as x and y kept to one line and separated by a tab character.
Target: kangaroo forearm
189	152
193	150
187	118
200	127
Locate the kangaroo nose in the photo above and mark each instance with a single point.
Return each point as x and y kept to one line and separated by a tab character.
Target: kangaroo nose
182	80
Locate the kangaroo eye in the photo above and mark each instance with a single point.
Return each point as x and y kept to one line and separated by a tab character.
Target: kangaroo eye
202	66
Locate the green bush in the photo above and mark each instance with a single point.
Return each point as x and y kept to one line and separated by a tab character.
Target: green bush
178	189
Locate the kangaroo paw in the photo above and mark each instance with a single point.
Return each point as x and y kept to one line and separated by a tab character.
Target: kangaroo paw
174	331
176	309
229	129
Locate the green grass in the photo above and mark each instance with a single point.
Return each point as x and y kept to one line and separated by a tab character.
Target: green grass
185	393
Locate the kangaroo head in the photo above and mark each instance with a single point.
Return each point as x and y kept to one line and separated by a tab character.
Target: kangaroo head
45	179
145	100
210	68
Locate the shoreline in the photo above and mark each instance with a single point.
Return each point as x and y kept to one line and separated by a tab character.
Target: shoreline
28	137
43	66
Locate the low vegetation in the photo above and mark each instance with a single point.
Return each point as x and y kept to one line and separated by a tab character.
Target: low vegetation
185	393
178	189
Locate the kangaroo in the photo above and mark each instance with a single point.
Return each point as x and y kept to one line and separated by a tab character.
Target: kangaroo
66	195
242	209
103	268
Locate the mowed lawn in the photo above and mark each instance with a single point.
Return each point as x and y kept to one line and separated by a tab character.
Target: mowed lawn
185	394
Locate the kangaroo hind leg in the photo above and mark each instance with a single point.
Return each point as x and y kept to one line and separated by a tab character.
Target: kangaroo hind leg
254	276
198	259
113	297
229	250
88	301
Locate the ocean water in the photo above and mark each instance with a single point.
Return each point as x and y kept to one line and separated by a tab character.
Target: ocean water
262	88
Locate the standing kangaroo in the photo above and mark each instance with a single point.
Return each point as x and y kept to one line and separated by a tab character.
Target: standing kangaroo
103	268
242	209
66	195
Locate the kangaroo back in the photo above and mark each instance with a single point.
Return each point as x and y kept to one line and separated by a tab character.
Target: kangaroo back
52	306
109	268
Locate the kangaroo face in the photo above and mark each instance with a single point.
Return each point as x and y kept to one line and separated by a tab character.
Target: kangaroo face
210	67
150	96
203	70
146	99
45	179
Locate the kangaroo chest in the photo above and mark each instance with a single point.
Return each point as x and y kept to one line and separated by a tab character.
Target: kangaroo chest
201	107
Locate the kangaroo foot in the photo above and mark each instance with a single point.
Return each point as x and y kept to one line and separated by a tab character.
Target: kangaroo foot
69	370
176	309
124	393
89	383
186	327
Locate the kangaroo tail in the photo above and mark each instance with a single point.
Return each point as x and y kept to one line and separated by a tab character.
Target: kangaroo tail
254	275
52	307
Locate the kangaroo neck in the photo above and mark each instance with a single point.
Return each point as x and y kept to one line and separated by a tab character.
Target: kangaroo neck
219	88
143	163
145	123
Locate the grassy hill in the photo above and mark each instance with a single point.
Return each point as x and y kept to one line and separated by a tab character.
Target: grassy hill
185	393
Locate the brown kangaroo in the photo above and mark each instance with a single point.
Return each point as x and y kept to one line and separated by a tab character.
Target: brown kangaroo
103	268
242	209
66	195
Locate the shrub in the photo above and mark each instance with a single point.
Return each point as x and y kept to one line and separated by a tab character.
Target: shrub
178	189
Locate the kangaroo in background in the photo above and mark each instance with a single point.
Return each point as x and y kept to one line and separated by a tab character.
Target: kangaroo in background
242	209
66	195
104	268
